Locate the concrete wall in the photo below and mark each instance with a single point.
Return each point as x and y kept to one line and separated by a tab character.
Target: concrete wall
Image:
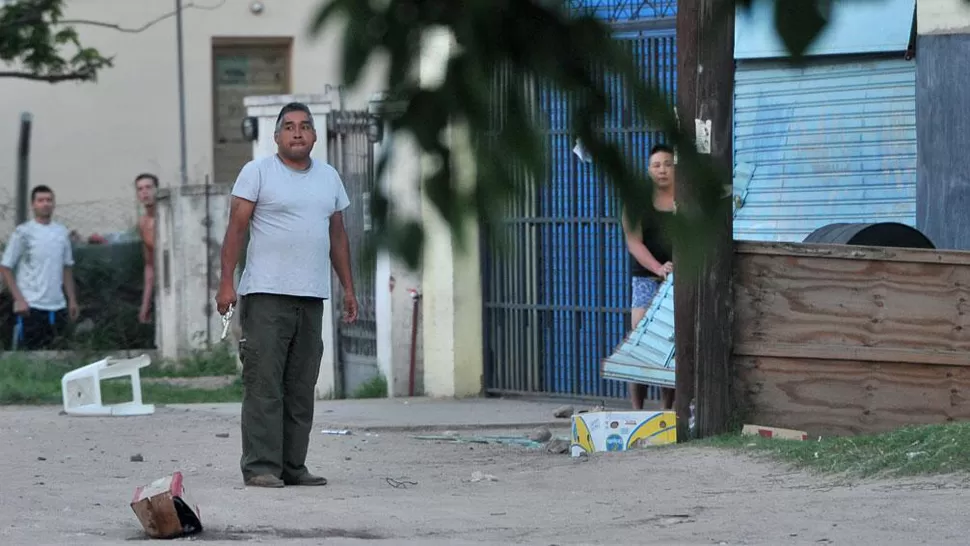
190	229
395	283
942	17
452	302
91	139
943	128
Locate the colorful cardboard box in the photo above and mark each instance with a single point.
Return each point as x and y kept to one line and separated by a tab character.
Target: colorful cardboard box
621	430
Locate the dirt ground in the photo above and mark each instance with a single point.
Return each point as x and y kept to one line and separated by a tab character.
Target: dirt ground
70	480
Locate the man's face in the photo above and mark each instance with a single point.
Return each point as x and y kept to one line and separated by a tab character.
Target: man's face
43	204
662	169
296	136
145	189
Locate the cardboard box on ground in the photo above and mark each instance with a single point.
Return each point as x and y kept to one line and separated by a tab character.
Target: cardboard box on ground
621	430
164	510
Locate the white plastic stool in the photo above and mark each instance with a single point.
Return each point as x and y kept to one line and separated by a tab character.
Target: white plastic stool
81	388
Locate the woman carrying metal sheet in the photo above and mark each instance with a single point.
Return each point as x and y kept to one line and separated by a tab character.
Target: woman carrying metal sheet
651	251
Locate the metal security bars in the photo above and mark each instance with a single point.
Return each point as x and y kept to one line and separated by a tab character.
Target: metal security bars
624	11
557	289
351	152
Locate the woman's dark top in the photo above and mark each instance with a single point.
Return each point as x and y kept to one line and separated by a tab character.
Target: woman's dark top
655	232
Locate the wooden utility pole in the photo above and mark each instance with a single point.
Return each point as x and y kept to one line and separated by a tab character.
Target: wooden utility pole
704	301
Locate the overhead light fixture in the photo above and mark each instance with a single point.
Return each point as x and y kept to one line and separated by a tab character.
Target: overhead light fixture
250	128
375	129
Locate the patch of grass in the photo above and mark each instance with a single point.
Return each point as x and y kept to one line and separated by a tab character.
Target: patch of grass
376	387
32	381
908	451
217	361
160	393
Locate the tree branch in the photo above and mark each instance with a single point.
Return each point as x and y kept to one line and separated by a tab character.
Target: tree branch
146	26
49	78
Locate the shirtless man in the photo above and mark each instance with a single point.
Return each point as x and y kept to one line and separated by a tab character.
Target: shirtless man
145	186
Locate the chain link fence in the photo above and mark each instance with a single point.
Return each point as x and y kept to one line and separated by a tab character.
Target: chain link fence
108	273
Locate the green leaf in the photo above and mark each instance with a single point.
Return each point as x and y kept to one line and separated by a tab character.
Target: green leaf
36	46
799	22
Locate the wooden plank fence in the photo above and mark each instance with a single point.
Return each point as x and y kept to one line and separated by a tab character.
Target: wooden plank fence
838	340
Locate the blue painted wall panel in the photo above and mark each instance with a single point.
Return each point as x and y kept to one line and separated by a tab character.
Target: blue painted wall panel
855	26
831	142
943	100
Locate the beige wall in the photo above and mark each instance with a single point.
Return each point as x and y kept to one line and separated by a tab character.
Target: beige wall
942	16
89	140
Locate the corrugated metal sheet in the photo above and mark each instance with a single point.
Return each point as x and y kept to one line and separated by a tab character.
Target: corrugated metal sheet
831	142
647	354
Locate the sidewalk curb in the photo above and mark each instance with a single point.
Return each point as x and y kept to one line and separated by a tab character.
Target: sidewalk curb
562	423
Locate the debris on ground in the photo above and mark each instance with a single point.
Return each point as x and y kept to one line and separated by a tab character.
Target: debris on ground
337	432
505	440
479	476
558	446
774	432
137	458
563	412
540	434
401	483
163	509
222	435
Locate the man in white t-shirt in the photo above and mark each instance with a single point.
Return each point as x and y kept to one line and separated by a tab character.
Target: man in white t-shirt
40	252
292	205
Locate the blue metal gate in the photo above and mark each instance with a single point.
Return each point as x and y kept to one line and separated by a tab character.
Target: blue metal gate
557	301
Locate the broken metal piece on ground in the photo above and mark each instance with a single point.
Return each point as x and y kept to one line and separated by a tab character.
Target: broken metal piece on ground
163	509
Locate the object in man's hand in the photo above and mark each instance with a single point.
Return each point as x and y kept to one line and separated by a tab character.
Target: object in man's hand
226	321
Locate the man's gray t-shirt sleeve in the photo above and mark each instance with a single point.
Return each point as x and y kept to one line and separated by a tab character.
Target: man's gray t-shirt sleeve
14	250
248	182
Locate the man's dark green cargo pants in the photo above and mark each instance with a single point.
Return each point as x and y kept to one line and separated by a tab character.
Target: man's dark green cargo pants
280	350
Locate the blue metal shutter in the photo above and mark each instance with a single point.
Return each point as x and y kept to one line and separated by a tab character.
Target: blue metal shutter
834	141
584	269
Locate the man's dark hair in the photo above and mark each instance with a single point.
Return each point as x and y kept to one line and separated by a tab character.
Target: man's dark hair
293	107
40	189
149	176
657	148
